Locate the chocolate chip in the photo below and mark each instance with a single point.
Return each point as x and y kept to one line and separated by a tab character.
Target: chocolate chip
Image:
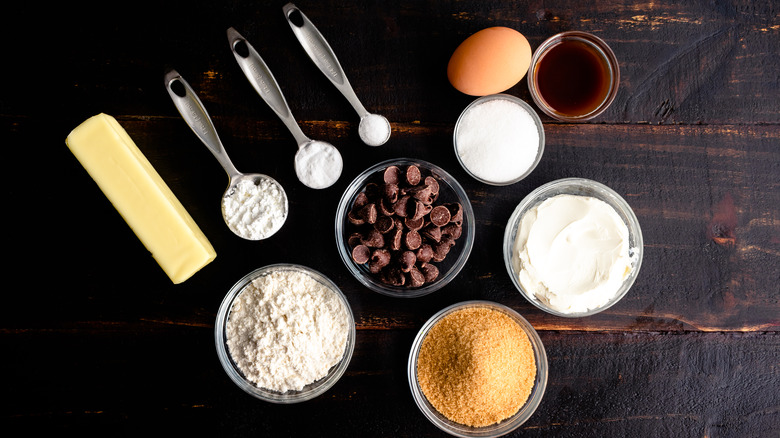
412	240
392	175
368	213
453	230
400	207
414	224
360	200
373	239
432	232
406	261
440	216
422	193
432	184
354	239
354	218
440	251
416	278
390	192
416	209
361	254
395	239
386	207
380	258
384	224
372	190
430	272
456	212
394	277
413	175
424	253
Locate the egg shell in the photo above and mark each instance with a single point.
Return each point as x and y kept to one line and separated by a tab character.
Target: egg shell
490	61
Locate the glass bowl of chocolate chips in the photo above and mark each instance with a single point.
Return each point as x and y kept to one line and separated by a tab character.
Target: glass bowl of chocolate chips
404	228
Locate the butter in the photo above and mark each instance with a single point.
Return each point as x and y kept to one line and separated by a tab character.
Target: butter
572	253
141	197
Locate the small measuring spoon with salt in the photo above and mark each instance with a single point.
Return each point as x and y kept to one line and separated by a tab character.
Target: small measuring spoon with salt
254	205
374	129
318	164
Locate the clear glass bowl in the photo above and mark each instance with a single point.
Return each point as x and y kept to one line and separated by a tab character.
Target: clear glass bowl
494	430
600	47
311	390
449	191
582	187
519	102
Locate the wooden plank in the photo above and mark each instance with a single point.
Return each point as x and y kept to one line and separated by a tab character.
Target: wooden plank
622	384
681	62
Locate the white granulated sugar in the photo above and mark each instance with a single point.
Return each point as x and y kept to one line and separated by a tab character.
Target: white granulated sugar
287	330
318	164
497	141
255	212
374	129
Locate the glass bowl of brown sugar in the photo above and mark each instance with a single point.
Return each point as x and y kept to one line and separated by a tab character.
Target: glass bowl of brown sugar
477	369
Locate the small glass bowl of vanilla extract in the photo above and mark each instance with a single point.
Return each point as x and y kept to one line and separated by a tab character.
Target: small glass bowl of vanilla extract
574	76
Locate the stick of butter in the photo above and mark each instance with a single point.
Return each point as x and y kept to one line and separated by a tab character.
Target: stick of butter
141	196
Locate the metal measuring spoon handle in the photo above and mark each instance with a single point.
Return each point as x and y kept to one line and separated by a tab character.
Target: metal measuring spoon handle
263	81
194	113
320	52
374	129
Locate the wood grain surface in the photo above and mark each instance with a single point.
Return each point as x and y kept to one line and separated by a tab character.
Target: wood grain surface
97	341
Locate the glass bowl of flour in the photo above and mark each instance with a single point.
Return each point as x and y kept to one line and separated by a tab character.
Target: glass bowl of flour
285	333
573	247
499	139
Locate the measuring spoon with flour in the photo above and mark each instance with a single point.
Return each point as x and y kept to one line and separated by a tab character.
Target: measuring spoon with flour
374	129
254	205
318	164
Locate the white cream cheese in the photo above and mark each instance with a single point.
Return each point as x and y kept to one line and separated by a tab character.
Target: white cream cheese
572	253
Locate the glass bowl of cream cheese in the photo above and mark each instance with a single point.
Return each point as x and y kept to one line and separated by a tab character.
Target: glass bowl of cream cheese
573	247
285	333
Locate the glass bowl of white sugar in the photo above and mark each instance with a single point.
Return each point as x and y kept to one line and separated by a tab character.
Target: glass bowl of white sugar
573	247
285	333
499	139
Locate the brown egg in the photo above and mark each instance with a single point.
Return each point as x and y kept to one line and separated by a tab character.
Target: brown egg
489	61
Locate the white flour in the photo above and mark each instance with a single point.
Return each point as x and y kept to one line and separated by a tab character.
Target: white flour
497	141
286	330
255	212
318	164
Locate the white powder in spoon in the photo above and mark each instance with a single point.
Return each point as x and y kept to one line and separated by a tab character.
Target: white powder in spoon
318	164
255	212
497	141
374	129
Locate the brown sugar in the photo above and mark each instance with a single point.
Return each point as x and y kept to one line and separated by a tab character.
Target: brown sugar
476	366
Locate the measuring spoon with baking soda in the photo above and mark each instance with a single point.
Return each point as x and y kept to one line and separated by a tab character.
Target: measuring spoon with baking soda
318	164
374	129
257	221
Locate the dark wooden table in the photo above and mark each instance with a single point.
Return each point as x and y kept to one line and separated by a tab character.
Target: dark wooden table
96	340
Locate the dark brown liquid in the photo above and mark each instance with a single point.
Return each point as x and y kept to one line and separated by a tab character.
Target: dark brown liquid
573	78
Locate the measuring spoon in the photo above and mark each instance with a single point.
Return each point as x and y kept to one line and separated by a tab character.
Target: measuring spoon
257	221
318	164
374	129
